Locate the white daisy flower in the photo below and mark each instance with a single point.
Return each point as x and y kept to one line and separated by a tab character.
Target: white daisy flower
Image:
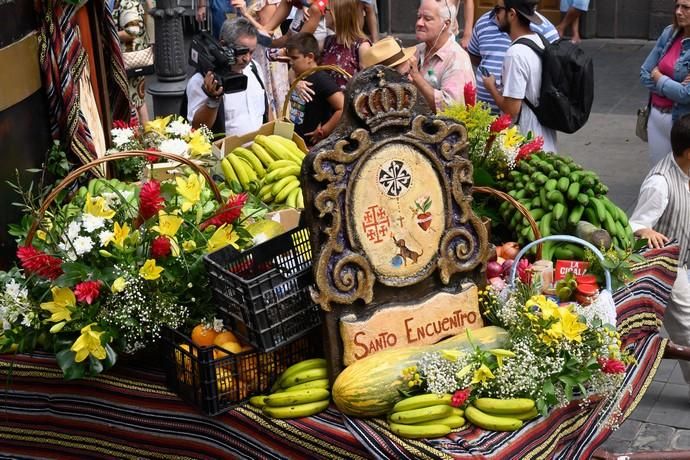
105	236
175	146
112	200
121	136
179	128
73	229
82	245
92	223
15	290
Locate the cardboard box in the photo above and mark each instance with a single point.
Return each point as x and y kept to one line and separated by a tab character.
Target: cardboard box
281	128
288	218
170	169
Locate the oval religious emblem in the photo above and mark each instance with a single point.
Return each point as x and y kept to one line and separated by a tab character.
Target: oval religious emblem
398	213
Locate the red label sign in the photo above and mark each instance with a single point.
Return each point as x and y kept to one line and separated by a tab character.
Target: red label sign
564	266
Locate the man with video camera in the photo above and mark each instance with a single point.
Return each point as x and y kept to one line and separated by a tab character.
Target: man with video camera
234	110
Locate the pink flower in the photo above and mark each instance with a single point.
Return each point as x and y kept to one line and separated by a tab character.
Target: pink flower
460	397
523	271
160	247
611	365
470	93
39	263
500	123
87	291
529	148
228	213
150	199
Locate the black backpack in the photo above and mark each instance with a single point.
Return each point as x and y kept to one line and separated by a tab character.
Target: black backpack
567	85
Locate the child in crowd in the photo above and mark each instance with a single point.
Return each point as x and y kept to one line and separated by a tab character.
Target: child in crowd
315	119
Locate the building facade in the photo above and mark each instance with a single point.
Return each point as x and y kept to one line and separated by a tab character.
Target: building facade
642	19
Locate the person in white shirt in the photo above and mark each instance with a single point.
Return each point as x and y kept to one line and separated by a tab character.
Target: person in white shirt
521	69
663	213
243	111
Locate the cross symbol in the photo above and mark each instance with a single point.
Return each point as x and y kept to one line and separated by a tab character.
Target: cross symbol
400	219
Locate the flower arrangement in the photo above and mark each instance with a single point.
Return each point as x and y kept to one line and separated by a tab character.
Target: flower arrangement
171	134
495	145
106	270
557	353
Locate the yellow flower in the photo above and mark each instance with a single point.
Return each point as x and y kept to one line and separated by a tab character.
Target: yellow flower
501	353
189	245
452	355
88	343
41	235
119	285
547	307
120	233
168	224
189	189
158	125
198	144
512	138
57	327
97	207
62	304
464	371
571	326
482	374
150	271
221	238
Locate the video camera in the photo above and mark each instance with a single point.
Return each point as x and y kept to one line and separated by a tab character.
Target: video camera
206	53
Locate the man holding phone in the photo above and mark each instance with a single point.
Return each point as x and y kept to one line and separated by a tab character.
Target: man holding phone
488	46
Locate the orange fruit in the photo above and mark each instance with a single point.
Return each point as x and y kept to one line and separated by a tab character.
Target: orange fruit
184	374
225	336
203	336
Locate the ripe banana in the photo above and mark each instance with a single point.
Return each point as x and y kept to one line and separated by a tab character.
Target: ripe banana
281	164
280	185
289	144
530	414
291	199
294	398
320	383
420	431
242	172
283	194
491	422
229	173
423	414
300	199
457	411
299	367
504	406
283	172
262	154
304	376
258	401
452	421
301	410
252	159
419	401
276	150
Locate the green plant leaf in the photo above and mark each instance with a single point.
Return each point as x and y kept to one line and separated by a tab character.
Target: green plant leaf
640	244
482	178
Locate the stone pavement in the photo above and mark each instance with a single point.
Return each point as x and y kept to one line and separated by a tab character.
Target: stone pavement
607	144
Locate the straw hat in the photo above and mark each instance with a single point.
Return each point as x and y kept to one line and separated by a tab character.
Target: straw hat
387	52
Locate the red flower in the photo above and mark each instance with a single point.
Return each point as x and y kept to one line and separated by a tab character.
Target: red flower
152	158
500	123
470	93
121	124
228	213
529	148
523	271
150	199
611	365
160	247
87	291
460	397
39	263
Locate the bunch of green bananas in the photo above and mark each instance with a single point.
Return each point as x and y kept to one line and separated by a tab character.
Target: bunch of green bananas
558	193
500	414
425	416
270	168
302	390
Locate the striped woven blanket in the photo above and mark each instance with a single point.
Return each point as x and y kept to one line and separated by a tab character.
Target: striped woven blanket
129	413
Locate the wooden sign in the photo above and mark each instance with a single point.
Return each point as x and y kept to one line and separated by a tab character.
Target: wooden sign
388	199
440	316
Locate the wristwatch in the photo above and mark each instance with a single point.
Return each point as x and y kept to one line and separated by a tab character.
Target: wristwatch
212	103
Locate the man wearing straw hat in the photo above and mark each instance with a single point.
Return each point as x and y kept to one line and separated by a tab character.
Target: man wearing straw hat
390	53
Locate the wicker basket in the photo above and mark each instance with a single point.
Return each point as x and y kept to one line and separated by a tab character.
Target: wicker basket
521	209
77	173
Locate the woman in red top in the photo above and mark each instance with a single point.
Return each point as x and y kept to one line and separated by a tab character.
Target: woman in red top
348	45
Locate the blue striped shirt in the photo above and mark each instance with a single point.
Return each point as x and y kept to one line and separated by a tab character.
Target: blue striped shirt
490	44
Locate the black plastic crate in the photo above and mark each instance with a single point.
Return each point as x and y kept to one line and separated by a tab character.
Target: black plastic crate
215	381
262	294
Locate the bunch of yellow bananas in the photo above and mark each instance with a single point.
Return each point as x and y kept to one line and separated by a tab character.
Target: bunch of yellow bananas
500	414
270	168
302	390
425	416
